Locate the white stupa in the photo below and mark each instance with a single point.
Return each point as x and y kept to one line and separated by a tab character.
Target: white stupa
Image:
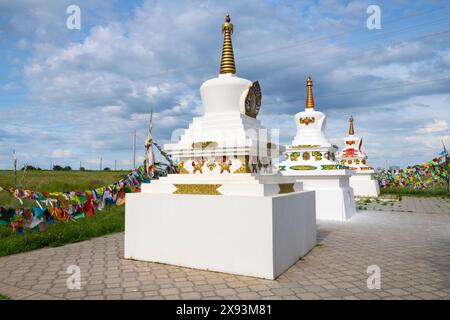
311	158
363	182
224	211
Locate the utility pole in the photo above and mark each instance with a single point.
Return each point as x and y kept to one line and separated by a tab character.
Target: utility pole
101	163
80	165
115	165
134	149
51	165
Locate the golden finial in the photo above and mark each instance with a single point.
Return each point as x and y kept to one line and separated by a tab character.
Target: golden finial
227	63
351	130
309	94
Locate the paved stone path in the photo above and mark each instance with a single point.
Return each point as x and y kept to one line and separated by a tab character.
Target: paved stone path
411	204
411	249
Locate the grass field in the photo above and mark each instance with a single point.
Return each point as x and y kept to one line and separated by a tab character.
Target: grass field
47	180
439	191
3	297
104	222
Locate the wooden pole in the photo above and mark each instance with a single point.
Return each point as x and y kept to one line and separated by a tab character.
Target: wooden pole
446	167
134	149
15	167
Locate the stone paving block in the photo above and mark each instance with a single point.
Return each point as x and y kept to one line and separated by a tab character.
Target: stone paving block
411	250
249	295
225	292
132	295
170	291
191	295
308	296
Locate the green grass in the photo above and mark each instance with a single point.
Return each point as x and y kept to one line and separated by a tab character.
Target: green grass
435	192
3	297
47	180
59	233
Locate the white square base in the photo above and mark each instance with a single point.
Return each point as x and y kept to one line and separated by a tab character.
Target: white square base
334	196
259	236
364	185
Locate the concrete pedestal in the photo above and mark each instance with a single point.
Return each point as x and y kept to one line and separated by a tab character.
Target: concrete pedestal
259	236
334	195
364	184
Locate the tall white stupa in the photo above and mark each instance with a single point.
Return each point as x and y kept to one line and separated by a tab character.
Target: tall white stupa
312	159
363	182
224	211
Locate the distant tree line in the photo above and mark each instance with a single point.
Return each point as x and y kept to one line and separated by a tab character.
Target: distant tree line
58	168
30	168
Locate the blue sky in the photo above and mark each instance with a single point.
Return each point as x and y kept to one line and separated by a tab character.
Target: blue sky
71	95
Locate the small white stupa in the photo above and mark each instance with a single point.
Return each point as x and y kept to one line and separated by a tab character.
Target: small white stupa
224	211
363	182
311	158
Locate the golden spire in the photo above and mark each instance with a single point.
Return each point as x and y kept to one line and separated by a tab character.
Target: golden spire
309	94
227	63
351	130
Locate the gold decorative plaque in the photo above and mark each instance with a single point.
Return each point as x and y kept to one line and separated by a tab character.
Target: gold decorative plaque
307	120
204	145
244	168
211	166
198	166
300	146
210	189
286	188
224	166
182	169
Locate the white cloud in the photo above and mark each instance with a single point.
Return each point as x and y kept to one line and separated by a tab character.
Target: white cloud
66	153
436	126
152	91
22	43
140	159
10	86
430	141
112	109
93	161
446	59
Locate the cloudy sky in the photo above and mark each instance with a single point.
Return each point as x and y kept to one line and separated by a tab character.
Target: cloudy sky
71	95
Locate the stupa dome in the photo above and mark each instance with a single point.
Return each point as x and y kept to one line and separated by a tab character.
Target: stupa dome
226	93
310	123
